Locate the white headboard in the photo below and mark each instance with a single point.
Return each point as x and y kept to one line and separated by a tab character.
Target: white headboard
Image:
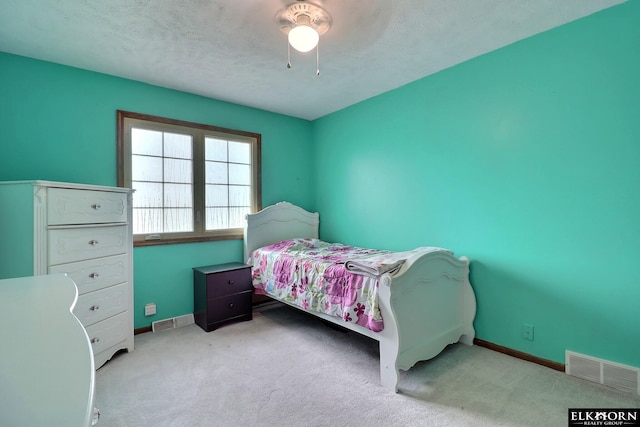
277	223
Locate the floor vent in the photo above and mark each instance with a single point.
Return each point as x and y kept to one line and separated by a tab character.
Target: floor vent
621	377
172	323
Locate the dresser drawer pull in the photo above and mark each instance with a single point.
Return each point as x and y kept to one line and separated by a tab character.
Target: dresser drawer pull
96	206
94	307
231	305
94	340
231	282
93	275
93	242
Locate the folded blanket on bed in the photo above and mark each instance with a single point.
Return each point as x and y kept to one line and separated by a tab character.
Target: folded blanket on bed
373	268
390	263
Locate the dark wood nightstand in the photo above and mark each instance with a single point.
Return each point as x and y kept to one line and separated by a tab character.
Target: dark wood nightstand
221	294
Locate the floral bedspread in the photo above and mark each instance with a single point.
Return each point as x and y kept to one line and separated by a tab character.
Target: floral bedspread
311	273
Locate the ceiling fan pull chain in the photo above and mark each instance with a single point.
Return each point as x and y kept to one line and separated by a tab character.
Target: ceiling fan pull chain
288	55
317	59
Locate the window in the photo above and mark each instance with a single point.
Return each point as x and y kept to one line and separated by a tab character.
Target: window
192	182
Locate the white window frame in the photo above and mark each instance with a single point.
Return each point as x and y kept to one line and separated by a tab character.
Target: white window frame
127	120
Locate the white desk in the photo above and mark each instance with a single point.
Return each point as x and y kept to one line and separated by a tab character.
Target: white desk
46	363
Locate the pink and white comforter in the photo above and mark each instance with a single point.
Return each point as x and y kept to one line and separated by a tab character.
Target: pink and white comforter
311	274
330	278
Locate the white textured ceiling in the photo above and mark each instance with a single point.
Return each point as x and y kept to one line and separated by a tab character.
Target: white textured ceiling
232	50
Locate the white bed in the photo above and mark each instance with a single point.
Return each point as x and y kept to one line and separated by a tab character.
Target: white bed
426	306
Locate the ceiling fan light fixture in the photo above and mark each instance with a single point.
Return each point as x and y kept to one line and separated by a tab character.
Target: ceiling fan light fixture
303	37
303	23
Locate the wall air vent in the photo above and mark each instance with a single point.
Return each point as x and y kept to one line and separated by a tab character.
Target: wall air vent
615	375
172	323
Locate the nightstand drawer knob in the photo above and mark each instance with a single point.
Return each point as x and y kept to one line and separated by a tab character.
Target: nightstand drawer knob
96	206
93	275
231	305
93	242
94	340
231	282
94	307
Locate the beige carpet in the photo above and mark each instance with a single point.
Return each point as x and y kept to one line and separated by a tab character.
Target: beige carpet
285	368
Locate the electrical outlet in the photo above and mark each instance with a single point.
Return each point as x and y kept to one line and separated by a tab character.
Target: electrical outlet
150	309
527	331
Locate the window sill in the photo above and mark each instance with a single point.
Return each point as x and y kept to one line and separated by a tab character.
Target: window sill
178	240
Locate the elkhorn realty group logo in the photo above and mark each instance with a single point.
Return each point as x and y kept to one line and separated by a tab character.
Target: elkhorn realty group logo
604	417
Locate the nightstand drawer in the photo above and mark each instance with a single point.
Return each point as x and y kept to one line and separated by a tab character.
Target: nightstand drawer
228	283
229	308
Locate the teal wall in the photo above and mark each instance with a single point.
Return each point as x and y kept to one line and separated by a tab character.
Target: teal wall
59	123
526	160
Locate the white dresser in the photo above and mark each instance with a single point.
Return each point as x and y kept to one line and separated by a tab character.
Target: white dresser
83	231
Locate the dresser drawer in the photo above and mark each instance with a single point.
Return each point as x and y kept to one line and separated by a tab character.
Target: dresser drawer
72	206
109	332
229	282
77	244
229	308
95	274
96	306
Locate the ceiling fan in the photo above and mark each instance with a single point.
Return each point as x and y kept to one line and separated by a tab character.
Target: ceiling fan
303	22
346	27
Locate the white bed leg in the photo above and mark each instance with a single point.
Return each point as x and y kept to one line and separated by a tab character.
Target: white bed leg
388	338
467	338
389	374
468	298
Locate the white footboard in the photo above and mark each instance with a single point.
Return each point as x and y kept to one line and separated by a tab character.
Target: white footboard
428	306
